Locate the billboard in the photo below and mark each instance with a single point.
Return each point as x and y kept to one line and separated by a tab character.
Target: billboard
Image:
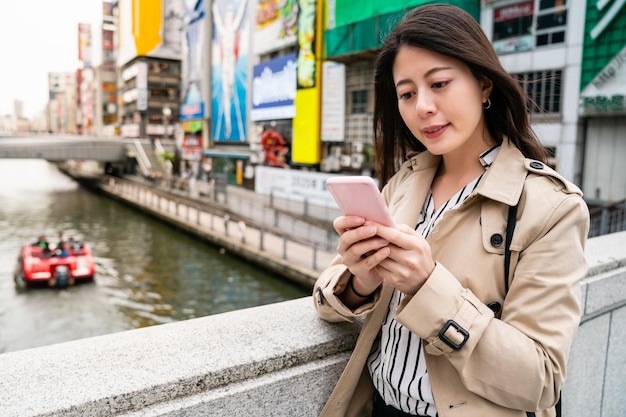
84	44
293	184
229	75
150	28
276	25
306	147
513	28
60	82
274	89
603	75
194	58
333	104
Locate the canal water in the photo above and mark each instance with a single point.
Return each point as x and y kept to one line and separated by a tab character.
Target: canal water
147	273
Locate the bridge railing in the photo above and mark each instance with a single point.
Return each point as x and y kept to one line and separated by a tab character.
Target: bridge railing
62	148
608	218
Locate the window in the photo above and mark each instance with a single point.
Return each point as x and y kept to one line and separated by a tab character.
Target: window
521	26
358	102
544	90
551	22
359	93
166	93
163	68
512	28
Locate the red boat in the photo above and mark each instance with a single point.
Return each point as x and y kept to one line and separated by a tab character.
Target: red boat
56	268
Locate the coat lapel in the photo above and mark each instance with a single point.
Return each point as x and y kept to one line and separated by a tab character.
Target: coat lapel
411	190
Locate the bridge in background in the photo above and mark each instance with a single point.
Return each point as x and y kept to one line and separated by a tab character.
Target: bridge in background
62	148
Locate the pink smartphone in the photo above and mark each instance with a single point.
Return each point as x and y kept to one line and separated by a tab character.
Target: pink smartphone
359	196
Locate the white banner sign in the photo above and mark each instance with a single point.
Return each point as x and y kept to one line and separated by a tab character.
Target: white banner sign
333	101
294	185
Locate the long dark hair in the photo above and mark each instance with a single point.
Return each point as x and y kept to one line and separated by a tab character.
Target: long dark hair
450	31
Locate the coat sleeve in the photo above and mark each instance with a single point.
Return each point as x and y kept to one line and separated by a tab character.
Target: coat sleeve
333	281
519	361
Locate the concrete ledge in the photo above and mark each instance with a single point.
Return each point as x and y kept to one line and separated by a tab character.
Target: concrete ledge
605	286
606	253
129	371
277	360
285	393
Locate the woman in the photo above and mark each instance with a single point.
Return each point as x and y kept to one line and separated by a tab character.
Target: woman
446	333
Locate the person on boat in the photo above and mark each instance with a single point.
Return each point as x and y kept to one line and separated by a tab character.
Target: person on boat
73	246
43	244
62	248
61	243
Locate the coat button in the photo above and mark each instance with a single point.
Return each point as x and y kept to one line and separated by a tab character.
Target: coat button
536	165
496	240
494	306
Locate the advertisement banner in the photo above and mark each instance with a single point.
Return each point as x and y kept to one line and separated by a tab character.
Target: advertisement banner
56	82
306	144
191	111
150	28
276	25
192	147
229	70
86	98
293	185
84	44
513	28
274	89
59	82
307	64
333	104
193	78
603	75
108	51
142	86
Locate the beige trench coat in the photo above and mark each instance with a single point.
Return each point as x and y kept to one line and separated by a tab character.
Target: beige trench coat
516	362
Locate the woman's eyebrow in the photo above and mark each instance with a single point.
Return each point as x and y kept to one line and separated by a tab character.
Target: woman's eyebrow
435	69
426	75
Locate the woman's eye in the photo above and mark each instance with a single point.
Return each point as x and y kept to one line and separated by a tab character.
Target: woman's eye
440	84
405	96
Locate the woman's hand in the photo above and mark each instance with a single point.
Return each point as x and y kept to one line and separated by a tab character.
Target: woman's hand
410	261
375	253
361	251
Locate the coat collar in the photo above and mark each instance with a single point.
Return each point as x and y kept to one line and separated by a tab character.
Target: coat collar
503	181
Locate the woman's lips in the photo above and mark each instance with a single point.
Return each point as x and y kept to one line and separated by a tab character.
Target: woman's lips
433	132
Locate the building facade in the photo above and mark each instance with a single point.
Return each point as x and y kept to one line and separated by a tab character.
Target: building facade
263	83
602	102
148	57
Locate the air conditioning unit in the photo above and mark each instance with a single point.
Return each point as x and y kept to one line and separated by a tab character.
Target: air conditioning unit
330	165
346	161
356	160
357	147
335	151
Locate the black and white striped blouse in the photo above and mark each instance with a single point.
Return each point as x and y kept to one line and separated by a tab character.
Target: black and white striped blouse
396	363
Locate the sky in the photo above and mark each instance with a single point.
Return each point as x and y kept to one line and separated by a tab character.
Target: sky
37	37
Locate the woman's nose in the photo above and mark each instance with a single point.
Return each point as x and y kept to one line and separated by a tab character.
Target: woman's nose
424	105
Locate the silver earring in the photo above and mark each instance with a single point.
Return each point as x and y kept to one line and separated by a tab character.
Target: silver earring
487	104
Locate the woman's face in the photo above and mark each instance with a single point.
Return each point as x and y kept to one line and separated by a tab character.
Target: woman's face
440	101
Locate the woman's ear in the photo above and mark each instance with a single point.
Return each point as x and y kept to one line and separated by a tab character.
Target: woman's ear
487	87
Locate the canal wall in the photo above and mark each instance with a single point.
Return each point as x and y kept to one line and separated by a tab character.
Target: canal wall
241	228
278	360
